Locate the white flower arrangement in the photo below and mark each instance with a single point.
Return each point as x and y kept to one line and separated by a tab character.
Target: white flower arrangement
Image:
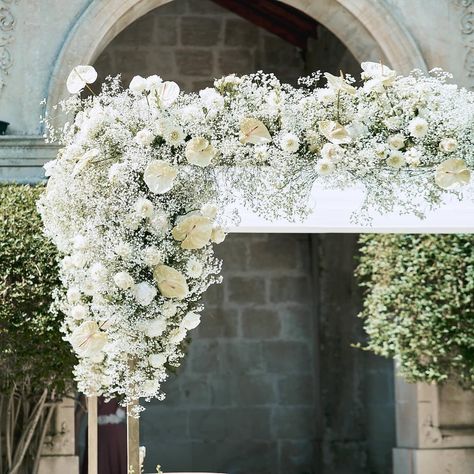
135	198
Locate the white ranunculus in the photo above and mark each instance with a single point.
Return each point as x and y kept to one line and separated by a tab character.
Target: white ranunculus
152	256
339	84
174	136
194	268
451	173
78	259
123	280
159	176
218	234
87	339
157	360
334	132
79	77
209	210
156	327
289	142
144	293
332	152
200	152
194	231
167	92
137	84
73	295
144	208
79	311
177	335
254	131
324	167
153	82
171	283
169	309
211	99
448	145
396	142
145	137
418	127
396	159
191	321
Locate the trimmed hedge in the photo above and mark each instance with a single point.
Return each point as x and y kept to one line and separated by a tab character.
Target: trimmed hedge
419	303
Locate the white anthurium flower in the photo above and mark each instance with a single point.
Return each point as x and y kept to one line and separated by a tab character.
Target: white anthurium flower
79	77
334	132
144	293
86	159
200	152
156	327
418	127
377	76
193	231
167	92
339	84
171	282
254	131
448	145
451	173
159	176
332	152
177	335
218	234
326	96
138	84
157	360
325	167
87	339
191	321
396	159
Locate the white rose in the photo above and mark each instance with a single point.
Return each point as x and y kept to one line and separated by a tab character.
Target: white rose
418	127
153	82
144	208
289	142
159	176
171	283
332	152
209	210
152	256
396	141
123	250
79	312
78	259
73	295
324	167
396	159
145	137
98	272
177	335
157	360
123	280
200	152
156	327
137	84
191	321
87	339
194	268
144	293
448	145
211	98
218	235
193	231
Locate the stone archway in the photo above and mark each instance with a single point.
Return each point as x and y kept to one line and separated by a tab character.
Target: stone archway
368	29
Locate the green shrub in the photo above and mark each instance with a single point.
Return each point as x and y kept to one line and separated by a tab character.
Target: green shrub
35	363
419	303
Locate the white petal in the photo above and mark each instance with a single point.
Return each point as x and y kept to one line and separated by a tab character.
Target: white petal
79	77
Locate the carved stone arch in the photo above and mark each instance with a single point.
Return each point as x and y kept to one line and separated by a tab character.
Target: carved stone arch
367	28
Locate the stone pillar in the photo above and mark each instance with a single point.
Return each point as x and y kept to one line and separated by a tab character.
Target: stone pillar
435	429
59	453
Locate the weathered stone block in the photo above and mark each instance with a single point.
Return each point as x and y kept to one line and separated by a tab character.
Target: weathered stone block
236	253
297	456
240	33
214	295
238	61
139	33
200	31
279	253
59	465
296	390
246	290
286	357
194	62
206	7
166	30
293	423
251	390
204	356
289	289
239	357
165	423
199	85
297	321
218	323
260	323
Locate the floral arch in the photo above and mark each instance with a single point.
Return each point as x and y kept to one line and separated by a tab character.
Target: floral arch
367	28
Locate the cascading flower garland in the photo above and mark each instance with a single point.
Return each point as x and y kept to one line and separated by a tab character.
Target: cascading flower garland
135	197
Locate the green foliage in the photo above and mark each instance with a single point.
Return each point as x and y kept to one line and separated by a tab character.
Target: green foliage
419	303
31	345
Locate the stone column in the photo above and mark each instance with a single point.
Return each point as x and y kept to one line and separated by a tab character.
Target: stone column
435	429
59	453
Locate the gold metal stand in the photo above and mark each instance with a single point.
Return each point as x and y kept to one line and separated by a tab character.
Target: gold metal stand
133	441
92	439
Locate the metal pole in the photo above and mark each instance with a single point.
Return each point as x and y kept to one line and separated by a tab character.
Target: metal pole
133	441
92	438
